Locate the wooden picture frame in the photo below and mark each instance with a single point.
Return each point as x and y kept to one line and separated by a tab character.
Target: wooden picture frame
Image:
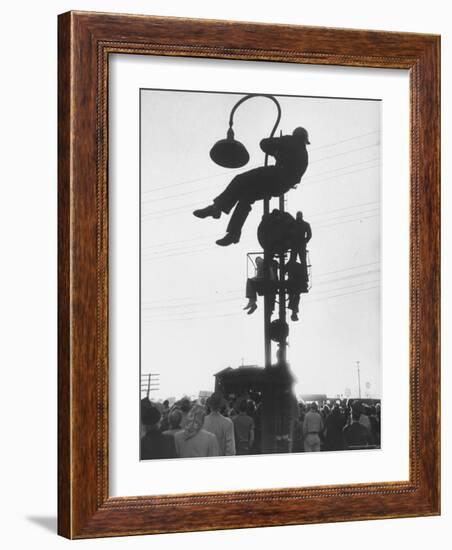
85	42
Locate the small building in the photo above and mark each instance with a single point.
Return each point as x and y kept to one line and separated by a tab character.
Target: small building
241	380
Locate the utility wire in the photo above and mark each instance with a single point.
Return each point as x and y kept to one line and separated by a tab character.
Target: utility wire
196	306
207	237
184	252
308	178
239	313
186	182
149	216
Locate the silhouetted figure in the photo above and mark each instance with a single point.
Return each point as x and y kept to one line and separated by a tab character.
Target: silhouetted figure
334	425
259	284
185	407
263	182
303	236
296	284
155	444
312	428
375	425
220	426
355	434
243	430
174	420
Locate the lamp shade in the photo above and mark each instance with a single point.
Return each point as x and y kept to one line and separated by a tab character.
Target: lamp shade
229	152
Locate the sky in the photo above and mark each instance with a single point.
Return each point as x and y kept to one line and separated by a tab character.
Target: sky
193	291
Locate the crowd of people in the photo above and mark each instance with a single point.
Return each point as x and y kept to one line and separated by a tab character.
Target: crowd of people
338	427
218	427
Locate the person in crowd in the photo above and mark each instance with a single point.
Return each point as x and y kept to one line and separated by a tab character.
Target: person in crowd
375	425
257	419
174	420
243	430
164	423
185	407
220	426
145	403
154	444
325	412
266	181
193	440
312	428
355	434
252	284
364	416
298	438
334	425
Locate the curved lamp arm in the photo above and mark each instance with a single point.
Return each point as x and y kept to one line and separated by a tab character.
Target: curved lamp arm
250	96
229	152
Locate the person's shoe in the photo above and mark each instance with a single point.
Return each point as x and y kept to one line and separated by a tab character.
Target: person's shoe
228	239
252	309
294	317
210	210
249	305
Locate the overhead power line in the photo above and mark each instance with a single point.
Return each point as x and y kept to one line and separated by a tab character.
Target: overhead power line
226	173
240	313
304	180
194	306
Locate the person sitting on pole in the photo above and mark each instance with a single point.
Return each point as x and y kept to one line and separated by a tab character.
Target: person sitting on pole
259	284
260	183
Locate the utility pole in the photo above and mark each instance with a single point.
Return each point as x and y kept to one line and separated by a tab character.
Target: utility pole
359	379
267	306
282	292
150	382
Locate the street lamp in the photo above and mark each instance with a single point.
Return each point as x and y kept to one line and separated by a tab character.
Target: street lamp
277	395
231	153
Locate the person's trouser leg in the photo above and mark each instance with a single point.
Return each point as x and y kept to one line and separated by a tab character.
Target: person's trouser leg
294	301
230	196
312	443
248	187
238	218
251	289
272	301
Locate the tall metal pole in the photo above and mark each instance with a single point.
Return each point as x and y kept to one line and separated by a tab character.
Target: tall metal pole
267	256
267	298
282	293
359	379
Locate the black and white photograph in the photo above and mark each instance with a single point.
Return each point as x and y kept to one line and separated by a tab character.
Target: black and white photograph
260	274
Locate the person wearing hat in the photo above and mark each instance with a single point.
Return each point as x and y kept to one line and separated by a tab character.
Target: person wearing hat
154	444
291	158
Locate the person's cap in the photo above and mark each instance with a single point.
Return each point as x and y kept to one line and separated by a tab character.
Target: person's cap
150	415
301	132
